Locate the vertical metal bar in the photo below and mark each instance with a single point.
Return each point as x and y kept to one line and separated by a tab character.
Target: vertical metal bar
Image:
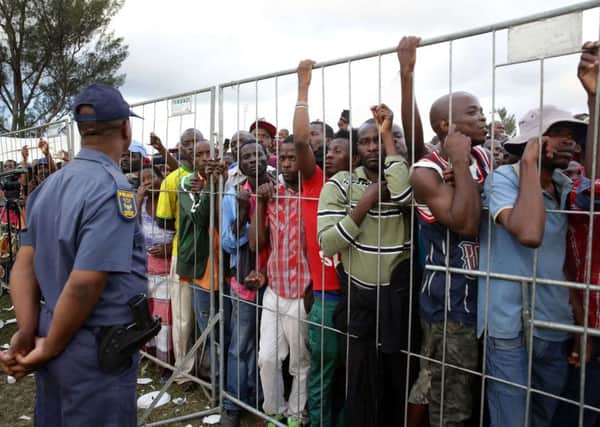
349	278
221	259
322	320
413	238
488	218
211	250
446	256
535	263
589	250
379	174
238	302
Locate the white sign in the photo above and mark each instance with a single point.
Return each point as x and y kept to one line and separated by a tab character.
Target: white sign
181	106
55	130
554	36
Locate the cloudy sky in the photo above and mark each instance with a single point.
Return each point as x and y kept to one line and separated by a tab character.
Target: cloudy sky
180	45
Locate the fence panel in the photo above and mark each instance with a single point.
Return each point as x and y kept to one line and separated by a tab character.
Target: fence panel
365	344
24	164
446	65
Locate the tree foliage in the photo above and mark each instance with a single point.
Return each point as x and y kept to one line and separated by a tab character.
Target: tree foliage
508	120
49	50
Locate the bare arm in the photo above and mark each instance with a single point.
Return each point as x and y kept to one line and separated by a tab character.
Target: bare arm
74	306
368	200
25	165
384	118
407	56
259	234
525	221
25	296
587	71
45	149
590	143
258	237
25	157
157	144
304	154
458	207
579	314
24	290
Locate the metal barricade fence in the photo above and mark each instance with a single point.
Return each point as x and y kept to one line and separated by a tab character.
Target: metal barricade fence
184	336
236	98
352	83
239	96
21	151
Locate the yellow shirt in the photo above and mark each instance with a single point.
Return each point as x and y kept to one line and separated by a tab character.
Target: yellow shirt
167	207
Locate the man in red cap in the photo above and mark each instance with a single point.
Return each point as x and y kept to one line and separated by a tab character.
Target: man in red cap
265	134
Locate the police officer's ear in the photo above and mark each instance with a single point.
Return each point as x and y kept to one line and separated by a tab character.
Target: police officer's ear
126	132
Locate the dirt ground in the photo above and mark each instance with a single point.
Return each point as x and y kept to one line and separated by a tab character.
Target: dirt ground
16	400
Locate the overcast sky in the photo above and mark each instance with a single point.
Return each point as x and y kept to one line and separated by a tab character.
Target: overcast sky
178	46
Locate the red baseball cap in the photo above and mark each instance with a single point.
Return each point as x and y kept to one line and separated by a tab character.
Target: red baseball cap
263	124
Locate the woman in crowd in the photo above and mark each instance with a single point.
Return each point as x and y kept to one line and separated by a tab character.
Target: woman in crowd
157	242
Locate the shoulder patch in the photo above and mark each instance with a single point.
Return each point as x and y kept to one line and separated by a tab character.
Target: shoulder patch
127	204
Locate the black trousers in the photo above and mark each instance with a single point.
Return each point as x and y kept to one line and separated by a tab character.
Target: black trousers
377	367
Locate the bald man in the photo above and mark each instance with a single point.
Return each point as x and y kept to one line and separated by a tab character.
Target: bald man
450	208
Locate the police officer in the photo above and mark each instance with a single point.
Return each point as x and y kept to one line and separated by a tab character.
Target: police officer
82	255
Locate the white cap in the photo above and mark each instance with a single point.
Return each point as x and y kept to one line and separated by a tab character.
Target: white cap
529	126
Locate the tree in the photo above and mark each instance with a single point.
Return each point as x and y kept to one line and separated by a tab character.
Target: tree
508	120
49	51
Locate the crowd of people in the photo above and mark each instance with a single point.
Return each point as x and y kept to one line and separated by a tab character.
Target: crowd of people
328	275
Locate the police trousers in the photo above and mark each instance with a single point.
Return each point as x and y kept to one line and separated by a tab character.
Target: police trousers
71	391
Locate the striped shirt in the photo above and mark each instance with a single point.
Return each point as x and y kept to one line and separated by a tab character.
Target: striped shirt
462	252
372	250
288	271
577	240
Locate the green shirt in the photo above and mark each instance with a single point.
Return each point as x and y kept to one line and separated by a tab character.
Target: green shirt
194	223
363	247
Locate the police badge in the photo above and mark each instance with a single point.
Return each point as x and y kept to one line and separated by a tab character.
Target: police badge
127	204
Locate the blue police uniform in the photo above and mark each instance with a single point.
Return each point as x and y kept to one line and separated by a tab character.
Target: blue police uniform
83	217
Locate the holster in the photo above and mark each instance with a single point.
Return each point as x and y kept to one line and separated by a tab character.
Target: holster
116	344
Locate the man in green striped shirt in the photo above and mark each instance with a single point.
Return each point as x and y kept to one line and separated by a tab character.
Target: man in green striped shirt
364	216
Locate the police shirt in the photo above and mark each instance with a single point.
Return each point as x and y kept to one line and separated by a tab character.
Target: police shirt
84	217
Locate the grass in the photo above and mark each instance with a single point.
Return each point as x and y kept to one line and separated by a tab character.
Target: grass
18	399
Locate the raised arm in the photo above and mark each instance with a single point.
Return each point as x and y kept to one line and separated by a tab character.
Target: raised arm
157	144
587	72
45	149
458	207
384	118
395	169
407	57
525	221
304	154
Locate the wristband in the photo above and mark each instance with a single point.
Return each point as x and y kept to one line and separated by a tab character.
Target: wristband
302	105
